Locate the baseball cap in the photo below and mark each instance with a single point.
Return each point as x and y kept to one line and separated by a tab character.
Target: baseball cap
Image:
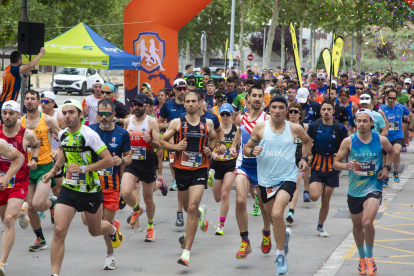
269	89
365	101
147	85
320	75
72	102
108	86
404	91
50	95
407	80
98	81
313	86
210	82
334	82
179	82
302	95
226	108
11	105
142	99
365	111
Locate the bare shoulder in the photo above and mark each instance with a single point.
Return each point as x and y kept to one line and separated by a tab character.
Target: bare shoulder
210	123
238	120
267	116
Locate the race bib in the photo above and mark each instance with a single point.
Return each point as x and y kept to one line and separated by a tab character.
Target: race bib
271	191
191	159
394	126
11	182
365	168
226	155
298	141
75	178
106	172
172	155
139	153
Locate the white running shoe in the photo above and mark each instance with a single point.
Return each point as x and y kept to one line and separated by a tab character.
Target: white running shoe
322	232
24	221
2	272
109	263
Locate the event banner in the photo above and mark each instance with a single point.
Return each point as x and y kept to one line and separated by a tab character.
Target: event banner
296	54
336	54
326	55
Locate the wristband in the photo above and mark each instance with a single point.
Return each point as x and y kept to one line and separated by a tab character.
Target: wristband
251	153
223	142
57	167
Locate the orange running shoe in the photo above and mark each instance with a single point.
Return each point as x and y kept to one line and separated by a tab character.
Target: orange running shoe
117	238
134	223
372	267
150	235
362	267
244	250
266	243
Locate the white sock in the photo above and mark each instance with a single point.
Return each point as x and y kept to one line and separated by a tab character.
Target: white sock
55	275
109	255
280	252
186	250
114	230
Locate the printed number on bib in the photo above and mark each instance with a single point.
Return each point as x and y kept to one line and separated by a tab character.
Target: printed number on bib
271	191
365	168
106	172
75	178
140	153
11	182
394	126
191	159
172	155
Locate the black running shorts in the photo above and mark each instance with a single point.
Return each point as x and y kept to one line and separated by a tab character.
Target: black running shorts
356	204
82	202
222	167
288	186
186	178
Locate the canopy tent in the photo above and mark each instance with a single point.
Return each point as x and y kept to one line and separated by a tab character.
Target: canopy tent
82	47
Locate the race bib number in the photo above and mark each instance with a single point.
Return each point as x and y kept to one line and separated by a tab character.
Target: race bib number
172	155
106	172
271	191
139	153
11	182
365	168
191	159
298	141
75	178
394	126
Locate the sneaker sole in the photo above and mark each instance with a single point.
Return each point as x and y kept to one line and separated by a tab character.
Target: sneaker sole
182	262
290	221
244	257
219	234
108	268
36	250
149	240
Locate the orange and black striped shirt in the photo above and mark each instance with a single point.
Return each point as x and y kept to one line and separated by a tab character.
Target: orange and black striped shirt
11	83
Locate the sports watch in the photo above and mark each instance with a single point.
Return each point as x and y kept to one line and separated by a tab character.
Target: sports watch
83	168
388	167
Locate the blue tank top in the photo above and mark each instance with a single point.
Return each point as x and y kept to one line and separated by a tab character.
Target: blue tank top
277	162
349	111
363	179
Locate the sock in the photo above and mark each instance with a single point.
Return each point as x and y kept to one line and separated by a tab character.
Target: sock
186	250
266	233
150	223
39	233
369	250
109	255
136	208
320	225
361	251
159	175
53	204
113	234
55	275
245	236
280	252
292	210
222	221
306	192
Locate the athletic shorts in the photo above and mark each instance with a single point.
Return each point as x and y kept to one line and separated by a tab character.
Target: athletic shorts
82	202
222	167
8	193
396	141
288	186
330	179
251	175
186	178
356	204
111	199
37	175
145	174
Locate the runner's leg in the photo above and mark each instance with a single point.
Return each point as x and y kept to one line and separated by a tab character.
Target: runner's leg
266	221
217	188
9	214
97	226
326	198
128	184
242	189
194	197
31	212
108	215
40	201
147	193
228	181
315	190
56	189
397	157
371	206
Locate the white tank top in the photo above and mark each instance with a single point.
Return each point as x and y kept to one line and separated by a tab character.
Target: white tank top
92	102
142	151
55	144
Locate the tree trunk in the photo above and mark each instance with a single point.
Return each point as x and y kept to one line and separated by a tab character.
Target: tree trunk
271	34
313	48
300	44
343	61
241	39
187	52
282	48
359	40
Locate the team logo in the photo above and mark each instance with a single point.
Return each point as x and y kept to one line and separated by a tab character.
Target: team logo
151	48
201	126
113	139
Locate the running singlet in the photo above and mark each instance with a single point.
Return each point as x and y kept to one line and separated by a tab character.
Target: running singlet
55	144
117	141
92	102
363	178
44	135
228	138
394	116
82	148
193	157
21	179
142	152
246	128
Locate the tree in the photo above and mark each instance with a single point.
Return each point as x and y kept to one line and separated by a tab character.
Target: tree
386	52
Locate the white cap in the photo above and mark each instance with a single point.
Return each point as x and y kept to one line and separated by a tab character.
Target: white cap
269	89
302	95
11	105
365	111
334	82
404	91
365	101
179	82
50	95
320	75
98	81
407	80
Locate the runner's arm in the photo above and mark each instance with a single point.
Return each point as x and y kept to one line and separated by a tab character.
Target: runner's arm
33	142
15	156
387	124
303	135
342	153
212	138
33	62
61	121
386	145
161	123
52	125
155	133
384	131
254	140
105	161
172	129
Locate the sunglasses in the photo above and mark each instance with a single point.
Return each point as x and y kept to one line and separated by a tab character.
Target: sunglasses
392	98
365	98
225	114
106	114
172	95
359	89
135	104
321	79
46	101
181	89
142	88
107	92
342	95
294	111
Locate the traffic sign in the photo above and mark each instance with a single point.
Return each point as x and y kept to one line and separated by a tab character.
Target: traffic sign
250	57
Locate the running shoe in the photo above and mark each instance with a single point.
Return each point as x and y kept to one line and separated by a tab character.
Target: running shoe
116	238
396	178
287	238
129	218
2	272
404	149
281	265
220	230
109	263
52	210
385	183
372	267
289	218
184	259
266	245
150	235
306	197
244	250
39	245
41	215
211	179
202	222
362	267
181	240
256	207
321	232
340	174
164	187
173	187
180	219
134	223
24	221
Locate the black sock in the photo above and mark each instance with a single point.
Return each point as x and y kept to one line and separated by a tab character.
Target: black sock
292	210
320	225
245	236
266	233
53	204
39	233
136	208
306	192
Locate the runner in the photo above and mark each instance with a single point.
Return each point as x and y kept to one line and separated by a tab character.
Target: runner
220	98
246	172
81	189
117	141
224	166
14	175
44	127
121	112
145	137
327	134
366	174
90	103
194	140
162	98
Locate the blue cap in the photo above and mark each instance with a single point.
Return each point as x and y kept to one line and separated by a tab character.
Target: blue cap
226	108
109	86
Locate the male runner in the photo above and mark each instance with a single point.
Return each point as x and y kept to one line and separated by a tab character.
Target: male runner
43	126
366	174
194	140
83	155
14	175
276	169
324	178
246	172
90	103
